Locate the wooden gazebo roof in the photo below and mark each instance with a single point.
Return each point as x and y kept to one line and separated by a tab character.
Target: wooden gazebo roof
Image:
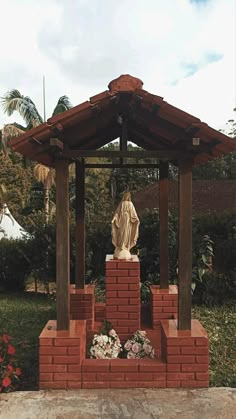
152	124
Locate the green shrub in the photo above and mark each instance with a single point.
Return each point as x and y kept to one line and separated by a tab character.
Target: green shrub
38	253
218	288
149	246
225	252
9	372
98	245
14	264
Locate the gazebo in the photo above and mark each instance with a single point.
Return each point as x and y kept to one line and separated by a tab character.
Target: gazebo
166	135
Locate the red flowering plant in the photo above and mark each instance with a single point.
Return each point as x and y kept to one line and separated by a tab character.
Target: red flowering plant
9	372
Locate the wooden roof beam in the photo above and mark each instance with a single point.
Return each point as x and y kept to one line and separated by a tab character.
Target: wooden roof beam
121	166
56	143
159	154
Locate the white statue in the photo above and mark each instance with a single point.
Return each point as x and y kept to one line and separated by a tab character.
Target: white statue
125	226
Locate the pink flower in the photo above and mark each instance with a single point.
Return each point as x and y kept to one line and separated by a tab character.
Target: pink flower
10	368
136	347
18	371
1	359
6	382
11	350
142	333
5	338
128	345
112	333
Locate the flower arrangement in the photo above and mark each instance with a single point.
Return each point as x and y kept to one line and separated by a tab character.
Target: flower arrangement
9	372
139	346
106	345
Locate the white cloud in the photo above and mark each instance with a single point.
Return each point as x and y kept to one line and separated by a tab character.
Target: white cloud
181	50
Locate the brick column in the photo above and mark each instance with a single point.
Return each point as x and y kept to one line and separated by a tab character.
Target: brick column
123	295
164	303
82	305
99	312
61	354
187	355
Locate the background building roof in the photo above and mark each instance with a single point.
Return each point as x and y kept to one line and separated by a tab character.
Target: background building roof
208	196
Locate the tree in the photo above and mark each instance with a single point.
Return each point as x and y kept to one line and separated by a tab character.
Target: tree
46	176
15	182
14	101
221	168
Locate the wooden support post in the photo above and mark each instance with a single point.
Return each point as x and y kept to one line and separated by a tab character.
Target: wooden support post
62	244
185	245
80	226
163	208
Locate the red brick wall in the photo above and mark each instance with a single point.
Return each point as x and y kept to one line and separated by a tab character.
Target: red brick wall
100	312
123	295
164	303
82	304
123	373
62	362
208	196
186	354
60	355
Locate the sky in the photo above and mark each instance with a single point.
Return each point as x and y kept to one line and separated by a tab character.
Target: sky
183	50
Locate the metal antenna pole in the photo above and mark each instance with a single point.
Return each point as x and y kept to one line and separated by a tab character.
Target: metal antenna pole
44	103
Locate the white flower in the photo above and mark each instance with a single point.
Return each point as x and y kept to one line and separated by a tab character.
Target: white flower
105	347
131	355
147	349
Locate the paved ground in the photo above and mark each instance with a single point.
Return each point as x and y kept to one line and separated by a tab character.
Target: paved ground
213	403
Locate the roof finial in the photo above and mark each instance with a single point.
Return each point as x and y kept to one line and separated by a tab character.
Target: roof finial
125	83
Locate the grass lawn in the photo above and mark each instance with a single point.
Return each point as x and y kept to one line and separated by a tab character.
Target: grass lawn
24	315
220	324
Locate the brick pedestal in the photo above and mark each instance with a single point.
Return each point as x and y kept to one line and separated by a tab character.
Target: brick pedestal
164	303
61	354
82	305
186	353
123	295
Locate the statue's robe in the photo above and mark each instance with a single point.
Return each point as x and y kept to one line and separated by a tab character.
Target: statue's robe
125	226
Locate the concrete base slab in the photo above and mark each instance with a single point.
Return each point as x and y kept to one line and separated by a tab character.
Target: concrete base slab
214	403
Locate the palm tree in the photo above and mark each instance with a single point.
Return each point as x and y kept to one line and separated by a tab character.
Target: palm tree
14	101
46	176
3	192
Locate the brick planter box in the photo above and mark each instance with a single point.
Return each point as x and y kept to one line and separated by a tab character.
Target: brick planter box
186	354
61	354
123	373
82	305
164	303
184	362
